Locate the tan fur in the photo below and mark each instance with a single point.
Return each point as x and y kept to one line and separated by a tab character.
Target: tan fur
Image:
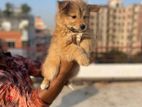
63	45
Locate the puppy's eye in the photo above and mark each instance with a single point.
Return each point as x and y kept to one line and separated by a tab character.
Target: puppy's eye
74	17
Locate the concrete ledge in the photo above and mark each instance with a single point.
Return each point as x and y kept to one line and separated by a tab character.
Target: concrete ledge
111	71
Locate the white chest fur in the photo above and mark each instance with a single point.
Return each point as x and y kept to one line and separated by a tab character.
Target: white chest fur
78	38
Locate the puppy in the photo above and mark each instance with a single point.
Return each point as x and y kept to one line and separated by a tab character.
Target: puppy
71	40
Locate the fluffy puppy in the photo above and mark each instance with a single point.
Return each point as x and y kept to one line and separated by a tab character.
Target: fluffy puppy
71	40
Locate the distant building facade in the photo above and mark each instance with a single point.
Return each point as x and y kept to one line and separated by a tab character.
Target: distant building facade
117	27
42	39
12	38
18	31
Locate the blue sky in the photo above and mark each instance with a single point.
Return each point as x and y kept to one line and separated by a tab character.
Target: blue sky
47	8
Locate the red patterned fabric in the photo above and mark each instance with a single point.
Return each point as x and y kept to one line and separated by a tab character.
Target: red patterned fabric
15	83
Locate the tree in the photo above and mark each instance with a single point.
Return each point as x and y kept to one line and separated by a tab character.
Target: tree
137	58
0	12
25	8
113	56
8	9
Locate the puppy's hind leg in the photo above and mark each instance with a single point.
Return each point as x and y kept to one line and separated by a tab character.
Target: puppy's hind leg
45	84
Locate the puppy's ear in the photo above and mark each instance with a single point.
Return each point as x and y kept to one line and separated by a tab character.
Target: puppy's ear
63	5
94	8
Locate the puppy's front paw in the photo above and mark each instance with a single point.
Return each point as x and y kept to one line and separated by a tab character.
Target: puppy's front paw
44	85
83	60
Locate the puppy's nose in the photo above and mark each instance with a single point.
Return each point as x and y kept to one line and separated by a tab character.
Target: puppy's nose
83	26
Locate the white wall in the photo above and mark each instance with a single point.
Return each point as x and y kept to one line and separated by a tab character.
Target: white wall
111	71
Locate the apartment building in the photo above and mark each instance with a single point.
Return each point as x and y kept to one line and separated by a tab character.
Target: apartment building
133	29
100	23
118	27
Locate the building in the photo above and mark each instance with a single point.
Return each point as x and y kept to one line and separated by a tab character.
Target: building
115	3
18	32
117	27
98	25
39	24
42	39
13	38
17	27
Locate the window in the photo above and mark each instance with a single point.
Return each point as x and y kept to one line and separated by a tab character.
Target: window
92	17
11	44
117	5
25	44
